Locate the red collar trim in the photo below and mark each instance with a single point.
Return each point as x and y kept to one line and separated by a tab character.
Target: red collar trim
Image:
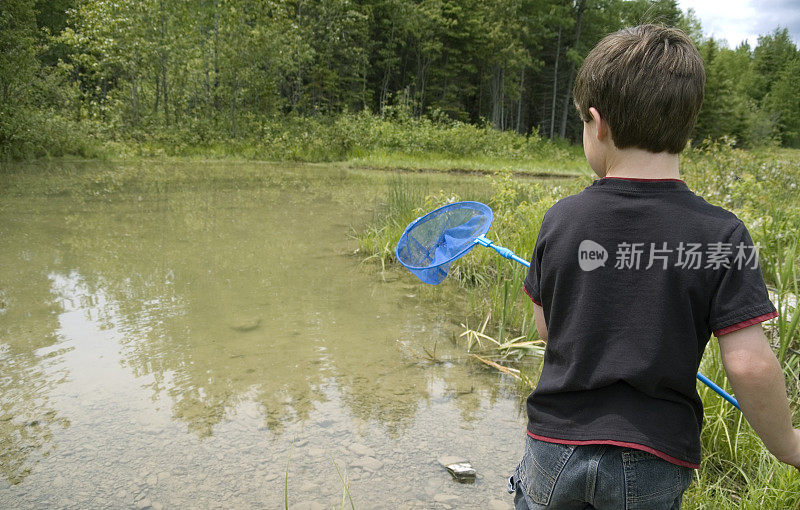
639	179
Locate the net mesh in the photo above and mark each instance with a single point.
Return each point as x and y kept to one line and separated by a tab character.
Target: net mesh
432	242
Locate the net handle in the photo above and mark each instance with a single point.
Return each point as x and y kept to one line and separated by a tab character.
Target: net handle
506	253
501	250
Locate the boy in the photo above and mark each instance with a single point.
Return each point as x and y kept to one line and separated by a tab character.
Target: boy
630	278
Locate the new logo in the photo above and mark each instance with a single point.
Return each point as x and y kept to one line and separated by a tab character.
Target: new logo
591	255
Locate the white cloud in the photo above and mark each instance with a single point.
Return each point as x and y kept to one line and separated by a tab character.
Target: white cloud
740	20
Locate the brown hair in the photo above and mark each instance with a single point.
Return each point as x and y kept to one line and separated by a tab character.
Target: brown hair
647	82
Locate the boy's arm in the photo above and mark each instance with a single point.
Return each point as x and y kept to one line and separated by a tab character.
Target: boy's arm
757	380
538	319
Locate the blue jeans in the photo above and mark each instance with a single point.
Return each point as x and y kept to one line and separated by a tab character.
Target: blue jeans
565	477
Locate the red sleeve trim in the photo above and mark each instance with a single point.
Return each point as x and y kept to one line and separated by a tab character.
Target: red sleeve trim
741	325
526	292
635	446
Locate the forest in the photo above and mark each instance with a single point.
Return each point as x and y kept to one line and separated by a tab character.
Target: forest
144	165
75	74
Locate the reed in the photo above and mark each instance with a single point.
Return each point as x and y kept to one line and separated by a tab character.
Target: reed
761	189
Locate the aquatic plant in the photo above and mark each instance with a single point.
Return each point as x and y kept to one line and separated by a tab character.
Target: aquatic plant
760	187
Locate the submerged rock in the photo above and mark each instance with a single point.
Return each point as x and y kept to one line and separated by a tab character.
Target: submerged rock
445	498
367	463
460	468
245	325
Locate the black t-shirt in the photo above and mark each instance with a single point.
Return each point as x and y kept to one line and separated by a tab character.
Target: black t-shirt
634	276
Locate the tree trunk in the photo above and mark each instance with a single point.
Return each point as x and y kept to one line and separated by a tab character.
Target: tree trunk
384	92
158	96
234	92
216	55
386	76
134	91
571	79
497	85
555	86
134	103
163	55
164	90
519	101
207	77
422	69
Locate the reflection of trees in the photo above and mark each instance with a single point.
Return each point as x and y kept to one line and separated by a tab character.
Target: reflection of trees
181	275
225	296
28	346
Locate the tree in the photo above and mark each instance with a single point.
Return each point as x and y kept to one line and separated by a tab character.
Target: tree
784	101
771	56
18	64
723	111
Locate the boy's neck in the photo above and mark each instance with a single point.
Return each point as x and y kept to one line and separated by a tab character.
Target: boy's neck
641	164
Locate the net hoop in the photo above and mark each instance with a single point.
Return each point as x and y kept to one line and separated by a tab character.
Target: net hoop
434	272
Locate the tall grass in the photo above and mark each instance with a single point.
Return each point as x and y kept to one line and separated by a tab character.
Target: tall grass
788	322
761	189
403	203
737	470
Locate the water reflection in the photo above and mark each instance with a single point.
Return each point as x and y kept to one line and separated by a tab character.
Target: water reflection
230	306
28	349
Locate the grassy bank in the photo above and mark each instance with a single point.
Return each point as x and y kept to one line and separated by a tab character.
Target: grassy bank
759	186
397	141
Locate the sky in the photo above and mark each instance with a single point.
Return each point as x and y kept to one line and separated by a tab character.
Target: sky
739	20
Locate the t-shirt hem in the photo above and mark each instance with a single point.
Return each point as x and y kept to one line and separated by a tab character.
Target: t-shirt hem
741	316
530	294
624	444
743	324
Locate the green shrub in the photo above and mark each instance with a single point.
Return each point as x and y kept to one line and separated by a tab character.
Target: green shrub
27	133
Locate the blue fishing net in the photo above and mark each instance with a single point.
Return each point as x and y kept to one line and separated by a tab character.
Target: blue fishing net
431	242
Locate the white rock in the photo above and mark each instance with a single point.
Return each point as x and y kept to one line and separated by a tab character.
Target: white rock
360	449
446	460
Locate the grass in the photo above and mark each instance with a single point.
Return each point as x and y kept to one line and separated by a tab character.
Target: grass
788	322
479	164
760	187
346	496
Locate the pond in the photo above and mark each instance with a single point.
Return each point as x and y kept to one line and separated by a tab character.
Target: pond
219	344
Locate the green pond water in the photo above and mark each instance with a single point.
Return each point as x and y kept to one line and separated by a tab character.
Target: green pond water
178	346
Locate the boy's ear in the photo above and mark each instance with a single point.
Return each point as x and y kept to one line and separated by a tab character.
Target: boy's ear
602	125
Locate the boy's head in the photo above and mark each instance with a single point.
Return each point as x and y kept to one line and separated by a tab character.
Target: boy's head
647	83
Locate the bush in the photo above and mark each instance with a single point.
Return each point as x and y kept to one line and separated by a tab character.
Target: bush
32	133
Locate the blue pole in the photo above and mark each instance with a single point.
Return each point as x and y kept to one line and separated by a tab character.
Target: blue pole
506	253
711	384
